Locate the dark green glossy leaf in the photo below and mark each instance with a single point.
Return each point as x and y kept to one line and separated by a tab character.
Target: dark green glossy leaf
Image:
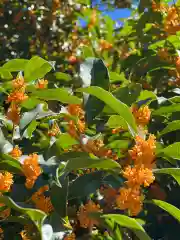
172	126
174	172
80	163
59	197
119	107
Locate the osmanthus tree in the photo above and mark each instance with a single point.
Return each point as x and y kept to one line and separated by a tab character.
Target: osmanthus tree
94	153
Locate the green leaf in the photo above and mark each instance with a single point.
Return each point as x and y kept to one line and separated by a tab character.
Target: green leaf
16	65
31	128
58	94
59	197
81	163
93	72
120	144
116	121
11	165
172	126
5	74
128	222
30	103
146	94
62	76
35	215
174	172
87	52
65	141
128	94
119	107
172	210
85	185
167	109
36	68
27	118
115	77
172	151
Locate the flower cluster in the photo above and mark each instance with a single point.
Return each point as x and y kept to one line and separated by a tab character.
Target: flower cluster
15	98
41	201
83	215
31	170
172	21
138	173
142	115
75	128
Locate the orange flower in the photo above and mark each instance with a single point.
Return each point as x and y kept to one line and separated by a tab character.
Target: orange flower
159	7
54	130
1	234
178	64
83	214
142	115
72	129
17	97
130	199
172	22
93	18
16	152
71	236
164	55
138	175
4	213
13	114
76	110
42	84
31	170
117	130
24	235
105	45
109	194
144	151
43	203
18	83
6	180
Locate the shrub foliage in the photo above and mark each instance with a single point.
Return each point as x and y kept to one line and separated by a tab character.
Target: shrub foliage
89	134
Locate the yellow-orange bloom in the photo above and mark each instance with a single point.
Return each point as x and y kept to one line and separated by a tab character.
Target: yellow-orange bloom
13	114
4	213
31	170
130	199
43	203
172	22
138	175
71	236
144	151
16	152
105	45
24	235
6	180
76	110
54	130
42	84
1	234
17	97
142	115
83	214
109	194
18	83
